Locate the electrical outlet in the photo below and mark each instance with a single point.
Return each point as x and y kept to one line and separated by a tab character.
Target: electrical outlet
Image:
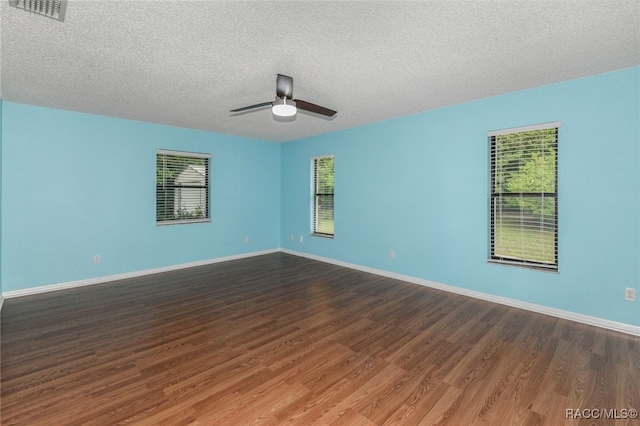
246	239
301	239
96	258
293	237
392	254
630	294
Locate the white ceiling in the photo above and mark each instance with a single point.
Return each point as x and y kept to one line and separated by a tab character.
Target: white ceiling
187	63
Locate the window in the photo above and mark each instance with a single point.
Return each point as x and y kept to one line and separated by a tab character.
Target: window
323	180
524	200
182	187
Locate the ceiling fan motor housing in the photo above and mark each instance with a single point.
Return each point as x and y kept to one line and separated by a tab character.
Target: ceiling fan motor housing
284	86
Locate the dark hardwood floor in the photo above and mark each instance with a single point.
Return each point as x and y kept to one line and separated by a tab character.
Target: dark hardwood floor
278	339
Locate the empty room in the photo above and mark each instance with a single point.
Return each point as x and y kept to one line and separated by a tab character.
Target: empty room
319	212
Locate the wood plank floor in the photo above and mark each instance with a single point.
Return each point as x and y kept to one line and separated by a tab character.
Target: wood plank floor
280	340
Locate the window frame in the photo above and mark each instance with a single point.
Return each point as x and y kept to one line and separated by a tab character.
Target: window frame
207	187
315	195
497	197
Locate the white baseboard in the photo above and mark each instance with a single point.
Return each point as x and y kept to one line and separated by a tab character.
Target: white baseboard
109	278
559	313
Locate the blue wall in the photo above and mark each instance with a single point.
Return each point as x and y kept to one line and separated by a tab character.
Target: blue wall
0	200
419	185
78	185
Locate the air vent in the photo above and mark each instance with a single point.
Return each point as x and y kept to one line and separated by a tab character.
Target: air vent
51	8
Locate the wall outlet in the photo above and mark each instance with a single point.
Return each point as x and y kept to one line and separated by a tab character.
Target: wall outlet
293	237
630	294
246	239
392	254
301	239
96	258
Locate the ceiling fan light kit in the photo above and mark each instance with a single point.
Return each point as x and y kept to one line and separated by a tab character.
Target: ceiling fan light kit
285	105
283	109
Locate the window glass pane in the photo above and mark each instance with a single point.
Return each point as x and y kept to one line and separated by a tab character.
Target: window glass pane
323	174
324	171
324	208
525	233
525	162
523	197
182	187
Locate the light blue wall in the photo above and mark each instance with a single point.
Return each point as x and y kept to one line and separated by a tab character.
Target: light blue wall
418	185
78	185
75	185
0	200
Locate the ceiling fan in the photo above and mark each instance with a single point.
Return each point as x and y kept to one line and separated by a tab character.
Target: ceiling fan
284	105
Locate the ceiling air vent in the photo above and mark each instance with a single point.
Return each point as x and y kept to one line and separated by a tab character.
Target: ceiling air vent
51	8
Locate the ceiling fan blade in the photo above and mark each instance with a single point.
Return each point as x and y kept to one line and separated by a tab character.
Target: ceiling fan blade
308	106
251	107
284	86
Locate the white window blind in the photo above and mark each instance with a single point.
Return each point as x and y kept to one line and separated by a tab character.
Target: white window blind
524	200
323	190
182	187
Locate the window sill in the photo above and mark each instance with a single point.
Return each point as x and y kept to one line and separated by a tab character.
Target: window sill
182	222
531	266
329	236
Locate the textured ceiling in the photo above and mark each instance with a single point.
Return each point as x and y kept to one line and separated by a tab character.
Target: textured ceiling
187	63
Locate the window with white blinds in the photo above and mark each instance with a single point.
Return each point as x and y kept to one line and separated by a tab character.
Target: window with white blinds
182	187
524	200
323	185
